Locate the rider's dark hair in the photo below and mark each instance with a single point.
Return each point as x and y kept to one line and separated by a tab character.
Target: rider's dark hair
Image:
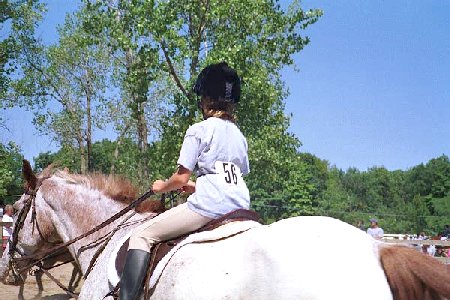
218	109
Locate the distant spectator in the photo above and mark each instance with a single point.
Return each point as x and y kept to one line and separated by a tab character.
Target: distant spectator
446	232
431	250
360	225
375	231
421	236
440	252
7	230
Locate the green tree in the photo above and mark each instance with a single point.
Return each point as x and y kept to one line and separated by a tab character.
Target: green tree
103	158
66	157
18	20
439	168
318	169
137	70
10	173
127	164
380	193
441	216
178	38
353	181
418	181
418	210
339	201
285	192
404	201
63	85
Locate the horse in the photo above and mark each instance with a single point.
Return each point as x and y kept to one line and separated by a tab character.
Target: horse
272	261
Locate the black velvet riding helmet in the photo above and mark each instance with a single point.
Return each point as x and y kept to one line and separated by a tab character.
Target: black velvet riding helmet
219	82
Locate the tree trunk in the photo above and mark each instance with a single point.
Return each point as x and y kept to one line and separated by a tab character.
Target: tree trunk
143	139
82	151
139	98
116	150
89	125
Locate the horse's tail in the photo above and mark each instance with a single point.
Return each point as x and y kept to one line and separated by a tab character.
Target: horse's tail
413	275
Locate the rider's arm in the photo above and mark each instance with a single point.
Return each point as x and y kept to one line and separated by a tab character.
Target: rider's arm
189	187
177	181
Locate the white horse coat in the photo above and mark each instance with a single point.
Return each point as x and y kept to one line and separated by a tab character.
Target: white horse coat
268	262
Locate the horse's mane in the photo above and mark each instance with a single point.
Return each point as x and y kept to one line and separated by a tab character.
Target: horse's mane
113	186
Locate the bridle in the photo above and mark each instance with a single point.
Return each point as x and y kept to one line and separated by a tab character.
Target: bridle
13	260
20	221
36	259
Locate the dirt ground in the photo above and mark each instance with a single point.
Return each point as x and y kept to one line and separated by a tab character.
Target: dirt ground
51	290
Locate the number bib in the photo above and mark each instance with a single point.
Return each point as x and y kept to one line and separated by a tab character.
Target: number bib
228	172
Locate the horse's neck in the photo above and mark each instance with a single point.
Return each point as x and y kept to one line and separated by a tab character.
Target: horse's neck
78	210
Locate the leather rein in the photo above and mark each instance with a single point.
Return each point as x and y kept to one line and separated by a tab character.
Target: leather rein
37	258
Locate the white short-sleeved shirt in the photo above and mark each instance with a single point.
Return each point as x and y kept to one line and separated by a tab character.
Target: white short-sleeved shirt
376	233
7	231
216	150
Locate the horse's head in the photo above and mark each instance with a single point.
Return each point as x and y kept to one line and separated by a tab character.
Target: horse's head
33	223
62	207
33	230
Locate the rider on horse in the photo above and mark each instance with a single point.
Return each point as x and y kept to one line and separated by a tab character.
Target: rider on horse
216	151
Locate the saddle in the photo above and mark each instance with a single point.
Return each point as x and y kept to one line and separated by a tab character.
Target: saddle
161	249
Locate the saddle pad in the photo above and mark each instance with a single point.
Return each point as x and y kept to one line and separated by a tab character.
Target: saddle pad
219	233
121	248
224	231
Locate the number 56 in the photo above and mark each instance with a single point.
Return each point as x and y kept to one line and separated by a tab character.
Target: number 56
230	170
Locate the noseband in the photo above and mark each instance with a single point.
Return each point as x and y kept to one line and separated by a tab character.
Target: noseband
21	217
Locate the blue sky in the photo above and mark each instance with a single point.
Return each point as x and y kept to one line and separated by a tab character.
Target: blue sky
374	83
373	87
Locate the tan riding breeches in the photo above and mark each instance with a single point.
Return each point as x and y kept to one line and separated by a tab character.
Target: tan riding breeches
168	225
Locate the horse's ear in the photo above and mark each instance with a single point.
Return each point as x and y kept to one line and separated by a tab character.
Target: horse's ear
28	175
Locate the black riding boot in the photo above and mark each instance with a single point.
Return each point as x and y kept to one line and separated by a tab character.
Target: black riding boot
133	274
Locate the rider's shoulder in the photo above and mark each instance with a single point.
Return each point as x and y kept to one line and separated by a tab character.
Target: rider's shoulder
196	129
202	125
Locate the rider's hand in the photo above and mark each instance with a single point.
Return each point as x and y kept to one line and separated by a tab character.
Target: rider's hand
158	186
189	187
